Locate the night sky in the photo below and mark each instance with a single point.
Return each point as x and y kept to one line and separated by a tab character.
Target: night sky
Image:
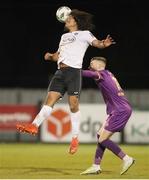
29	29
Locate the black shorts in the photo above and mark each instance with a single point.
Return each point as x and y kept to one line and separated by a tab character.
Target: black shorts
68	80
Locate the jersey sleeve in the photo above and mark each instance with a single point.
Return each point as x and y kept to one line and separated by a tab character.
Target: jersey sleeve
89	37
91	74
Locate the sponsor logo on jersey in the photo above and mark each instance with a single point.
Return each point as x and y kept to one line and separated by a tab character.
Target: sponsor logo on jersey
67	39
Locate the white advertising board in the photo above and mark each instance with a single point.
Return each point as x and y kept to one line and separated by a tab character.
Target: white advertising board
57	128
137	128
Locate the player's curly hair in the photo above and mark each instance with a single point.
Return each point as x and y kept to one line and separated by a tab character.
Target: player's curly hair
83	19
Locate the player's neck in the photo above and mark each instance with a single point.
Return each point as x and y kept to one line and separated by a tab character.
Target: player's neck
100	69
72	29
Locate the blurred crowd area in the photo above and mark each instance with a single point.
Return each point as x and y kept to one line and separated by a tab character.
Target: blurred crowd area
139	99
22	105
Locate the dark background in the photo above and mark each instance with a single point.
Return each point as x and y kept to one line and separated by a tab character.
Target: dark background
28	29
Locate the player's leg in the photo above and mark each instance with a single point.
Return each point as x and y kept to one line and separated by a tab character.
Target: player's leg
73	81
56	90
103	143
51	99
100	149
75	116
44	113
108	131
95	168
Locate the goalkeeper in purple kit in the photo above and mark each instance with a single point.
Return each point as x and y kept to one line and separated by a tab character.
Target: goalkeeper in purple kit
118	110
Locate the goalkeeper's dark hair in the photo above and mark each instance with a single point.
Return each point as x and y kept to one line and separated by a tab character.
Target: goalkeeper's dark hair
83	19
99	58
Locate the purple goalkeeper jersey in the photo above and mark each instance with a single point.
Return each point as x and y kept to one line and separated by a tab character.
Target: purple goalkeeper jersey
111	90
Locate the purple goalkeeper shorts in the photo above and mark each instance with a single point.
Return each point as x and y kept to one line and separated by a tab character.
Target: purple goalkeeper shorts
117	120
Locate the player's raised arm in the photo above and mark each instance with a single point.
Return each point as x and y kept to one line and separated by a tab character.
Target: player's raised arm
51	56
103	43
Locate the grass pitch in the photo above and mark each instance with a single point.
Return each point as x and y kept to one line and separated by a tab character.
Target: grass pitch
51	161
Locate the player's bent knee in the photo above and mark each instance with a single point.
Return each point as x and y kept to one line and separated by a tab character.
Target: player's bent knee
100	140
74	105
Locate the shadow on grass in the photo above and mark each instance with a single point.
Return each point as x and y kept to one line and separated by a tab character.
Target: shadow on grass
24	170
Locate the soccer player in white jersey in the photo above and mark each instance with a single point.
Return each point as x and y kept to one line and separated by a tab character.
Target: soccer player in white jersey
67	78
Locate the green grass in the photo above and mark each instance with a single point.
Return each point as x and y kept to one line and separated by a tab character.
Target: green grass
51	161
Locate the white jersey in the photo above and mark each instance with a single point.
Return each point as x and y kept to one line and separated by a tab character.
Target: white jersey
73	46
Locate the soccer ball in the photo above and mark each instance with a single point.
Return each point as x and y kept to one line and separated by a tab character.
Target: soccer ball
62	13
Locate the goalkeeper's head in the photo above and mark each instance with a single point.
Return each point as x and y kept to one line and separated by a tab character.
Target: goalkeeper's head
98	63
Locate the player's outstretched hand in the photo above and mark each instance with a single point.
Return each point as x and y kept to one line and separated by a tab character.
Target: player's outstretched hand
51	57
108	41
48	56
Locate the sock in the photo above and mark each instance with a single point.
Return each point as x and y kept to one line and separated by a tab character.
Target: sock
99	152
96	166
75	122
42	115
126	157
113	147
